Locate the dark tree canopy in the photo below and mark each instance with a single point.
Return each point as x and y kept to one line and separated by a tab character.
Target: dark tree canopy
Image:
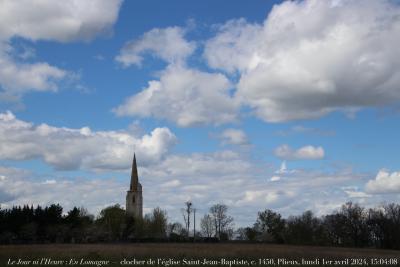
350	226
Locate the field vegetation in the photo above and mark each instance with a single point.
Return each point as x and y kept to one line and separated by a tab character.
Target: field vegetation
115	253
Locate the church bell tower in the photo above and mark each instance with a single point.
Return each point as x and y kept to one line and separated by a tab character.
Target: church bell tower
134	199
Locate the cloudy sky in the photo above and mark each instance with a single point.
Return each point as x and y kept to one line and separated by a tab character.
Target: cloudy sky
290	106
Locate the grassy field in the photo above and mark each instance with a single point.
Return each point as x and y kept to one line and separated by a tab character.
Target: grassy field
184	254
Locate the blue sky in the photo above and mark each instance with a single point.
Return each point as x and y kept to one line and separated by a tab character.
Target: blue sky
264	104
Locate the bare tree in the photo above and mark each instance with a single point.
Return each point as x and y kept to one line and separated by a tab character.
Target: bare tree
222	221
158	223
112	219
206	225
355	224
186	214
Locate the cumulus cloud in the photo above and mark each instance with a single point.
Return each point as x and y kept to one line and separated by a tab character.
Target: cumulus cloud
17	78
205	178
93	194
174	179
234	137
310	58
384	183
168	44
7	195
303	153
223	164
184	96
61	21
228	177
232	49
57	20
66	148
275	198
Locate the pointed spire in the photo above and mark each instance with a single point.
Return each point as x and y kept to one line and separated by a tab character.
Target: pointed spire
134	175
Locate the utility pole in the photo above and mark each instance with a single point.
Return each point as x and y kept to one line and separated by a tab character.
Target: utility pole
194	225
186	216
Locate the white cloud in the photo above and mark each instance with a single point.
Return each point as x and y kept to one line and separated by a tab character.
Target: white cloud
384	183
299	129
275	178
169	44
62	21
234	137
172	183
281	171
17	78
52	181
19	188
66	148
205	178
222	164
228	177
310	58
232	49
6	172
303	153
57	20
275	198
354	192
173	180
184	96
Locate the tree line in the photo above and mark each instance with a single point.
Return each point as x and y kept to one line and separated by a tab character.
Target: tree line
351	226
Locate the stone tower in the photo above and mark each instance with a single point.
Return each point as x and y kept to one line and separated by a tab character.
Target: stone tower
134	199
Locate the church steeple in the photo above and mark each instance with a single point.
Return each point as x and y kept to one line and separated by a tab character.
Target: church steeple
134	198
134	175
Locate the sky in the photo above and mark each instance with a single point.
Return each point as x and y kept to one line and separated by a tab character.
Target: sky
282	105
